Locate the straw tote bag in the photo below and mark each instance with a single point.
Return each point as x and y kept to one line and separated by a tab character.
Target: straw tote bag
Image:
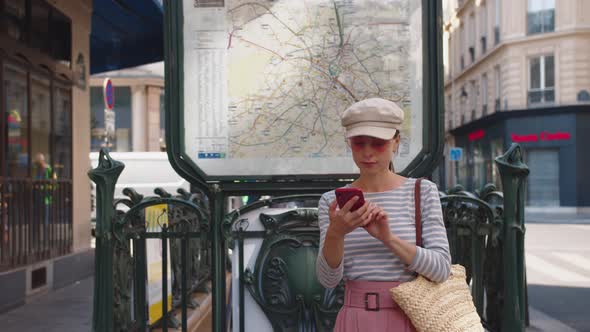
437	307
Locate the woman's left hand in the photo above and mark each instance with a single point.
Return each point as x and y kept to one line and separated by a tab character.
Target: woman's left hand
378	226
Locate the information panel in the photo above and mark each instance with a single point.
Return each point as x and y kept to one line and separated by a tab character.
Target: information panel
266	82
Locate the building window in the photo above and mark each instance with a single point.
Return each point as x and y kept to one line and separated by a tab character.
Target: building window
473	98
472	37
541	16
40	134
497	88
35	146
541	80
17	121
38	25
497	13
484	94
462	46
449	111
463	100
62	131
449	50
60	48
14	19
40	12
583	96
484	29
40	125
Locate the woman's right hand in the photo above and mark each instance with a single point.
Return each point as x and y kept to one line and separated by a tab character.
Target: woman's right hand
343	221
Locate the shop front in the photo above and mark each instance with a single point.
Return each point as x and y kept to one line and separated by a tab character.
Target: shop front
45	52
553	146
44	234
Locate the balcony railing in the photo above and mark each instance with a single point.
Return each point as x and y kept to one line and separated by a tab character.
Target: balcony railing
541	96
35	220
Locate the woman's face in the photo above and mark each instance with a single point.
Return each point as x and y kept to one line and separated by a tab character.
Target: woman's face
371	154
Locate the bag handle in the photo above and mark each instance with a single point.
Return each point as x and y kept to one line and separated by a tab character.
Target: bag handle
418	213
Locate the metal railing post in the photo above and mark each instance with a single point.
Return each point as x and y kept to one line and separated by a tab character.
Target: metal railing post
184	275
105	177
218	248
165	313
140	267
513	173
242	308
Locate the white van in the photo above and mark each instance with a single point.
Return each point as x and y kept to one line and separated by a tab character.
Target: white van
144	171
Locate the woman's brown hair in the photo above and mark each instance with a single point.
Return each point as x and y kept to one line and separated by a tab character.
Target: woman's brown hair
391	168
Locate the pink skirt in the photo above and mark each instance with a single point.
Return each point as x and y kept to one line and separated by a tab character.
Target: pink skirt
368	307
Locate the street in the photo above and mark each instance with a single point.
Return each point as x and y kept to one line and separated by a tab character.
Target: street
558	272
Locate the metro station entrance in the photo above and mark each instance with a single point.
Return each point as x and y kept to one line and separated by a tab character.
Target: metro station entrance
255	91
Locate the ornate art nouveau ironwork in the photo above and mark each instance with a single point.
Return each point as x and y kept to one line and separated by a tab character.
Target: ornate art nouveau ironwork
472	229
121	244
283	281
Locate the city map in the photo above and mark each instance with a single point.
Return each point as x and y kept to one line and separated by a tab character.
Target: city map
286	70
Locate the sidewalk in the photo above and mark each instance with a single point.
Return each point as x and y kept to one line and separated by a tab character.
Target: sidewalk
70	310
556	216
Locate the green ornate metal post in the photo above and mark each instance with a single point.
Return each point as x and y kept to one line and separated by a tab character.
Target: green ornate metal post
514	173
218	247
105	176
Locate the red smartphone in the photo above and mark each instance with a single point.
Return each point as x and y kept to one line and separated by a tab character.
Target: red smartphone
344	194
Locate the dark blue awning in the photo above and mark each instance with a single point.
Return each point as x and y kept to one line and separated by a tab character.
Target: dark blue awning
125	33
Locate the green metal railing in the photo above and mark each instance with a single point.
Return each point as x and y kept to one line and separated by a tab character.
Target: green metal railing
283	280
474	228
486	235
180	222
478	224
513	173
485	230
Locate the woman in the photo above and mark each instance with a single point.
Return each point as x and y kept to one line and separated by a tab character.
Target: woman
374	248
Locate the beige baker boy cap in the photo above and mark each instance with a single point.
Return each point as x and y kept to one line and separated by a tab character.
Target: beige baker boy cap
373	117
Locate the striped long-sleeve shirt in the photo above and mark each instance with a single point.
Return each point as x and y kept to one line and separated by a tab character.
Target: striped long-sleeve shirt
366	258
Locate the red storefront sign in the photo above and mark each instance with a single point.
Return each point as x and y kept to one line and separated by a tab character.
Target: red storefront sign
543	136
476	135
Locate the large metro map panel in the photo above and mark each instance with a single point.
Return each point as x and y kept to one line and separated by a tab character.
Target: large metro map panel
267	81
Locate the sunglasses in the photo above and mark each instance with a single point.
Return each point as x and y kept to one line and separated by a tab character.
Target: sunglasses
358	143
